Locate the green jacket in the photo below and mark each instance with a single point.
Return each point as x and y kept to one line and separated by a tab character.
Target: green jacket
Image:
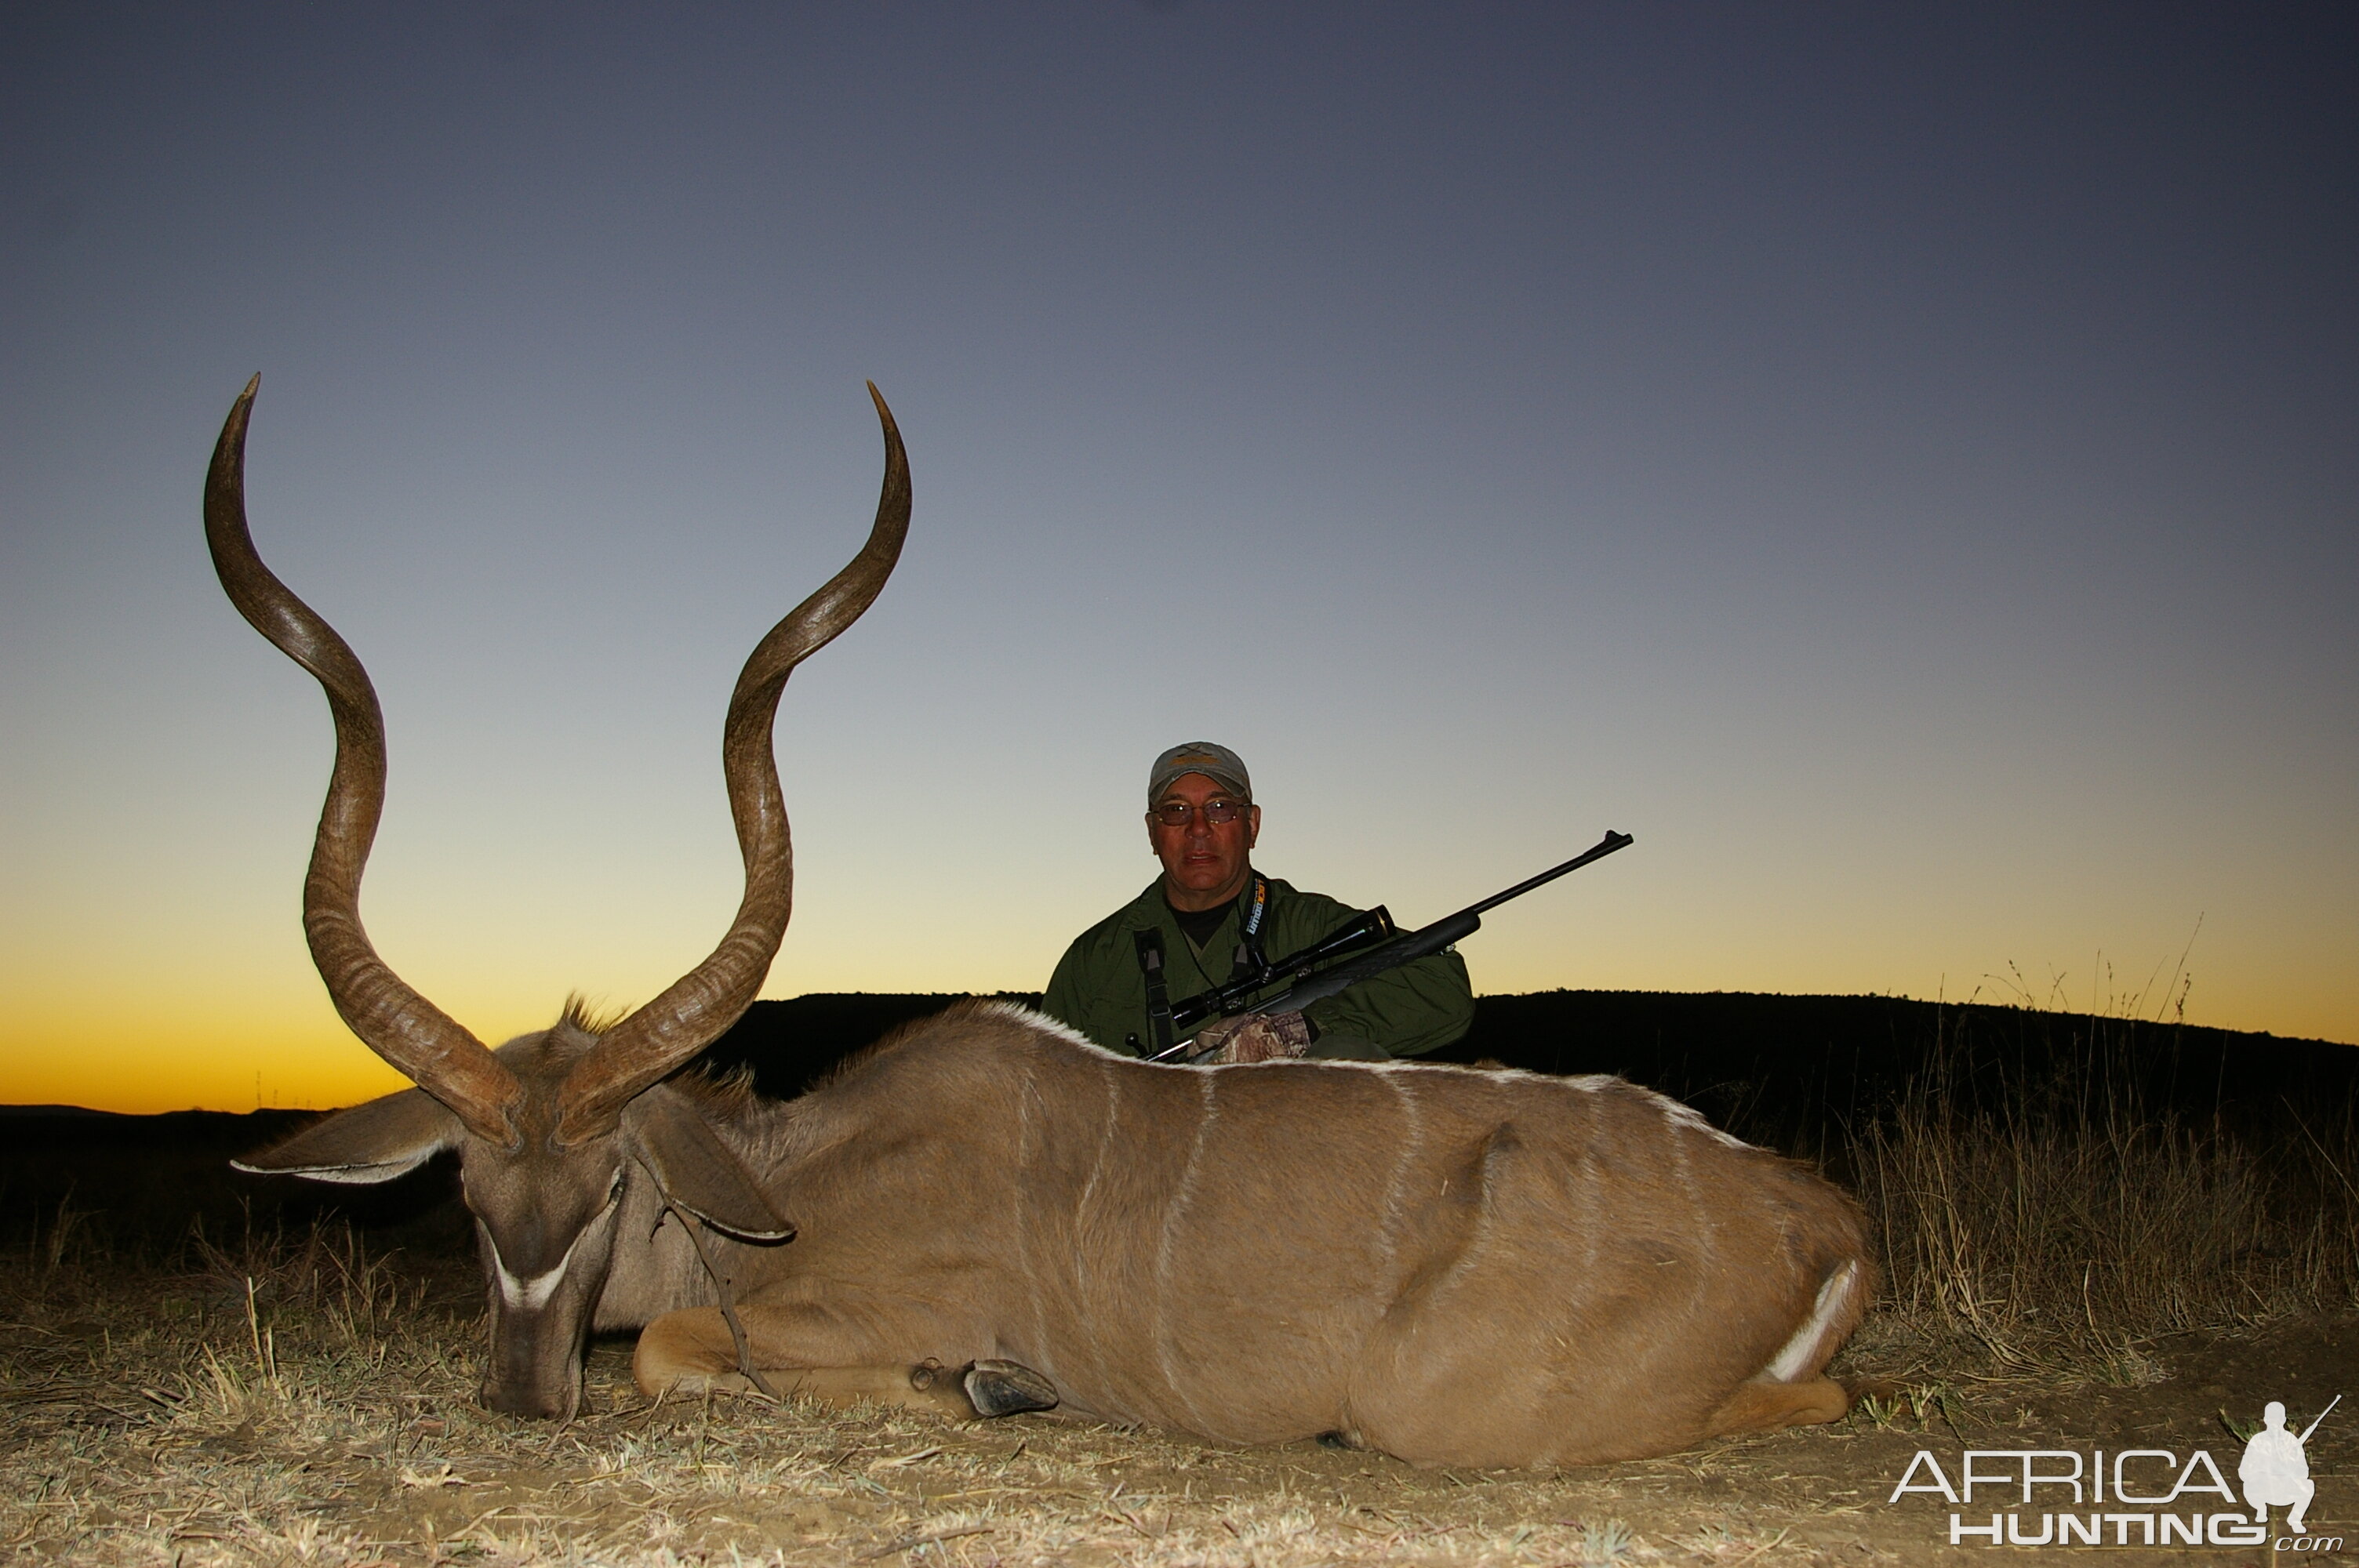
1097	988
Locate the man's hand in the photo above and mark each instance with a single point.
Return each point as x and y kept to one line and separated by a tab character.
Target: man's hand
1256	1037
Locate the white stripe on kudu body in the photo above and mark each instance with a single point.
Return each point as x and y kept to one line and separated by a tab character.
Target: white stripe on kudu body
1412	1145
1172	1295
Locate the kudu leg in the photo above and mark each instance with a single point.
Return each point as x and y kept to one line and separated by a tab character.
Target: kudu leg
1763	1407
691	1351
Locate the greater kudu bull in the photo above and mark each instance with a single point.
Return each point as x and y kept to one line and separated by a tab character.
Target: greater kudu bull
993	1215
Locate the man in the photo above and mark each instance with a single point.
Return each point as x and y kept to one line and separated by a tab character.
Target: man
1210	911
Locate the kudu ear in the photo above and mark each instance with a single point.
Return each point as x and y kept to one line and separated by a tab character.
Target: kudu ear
372	1142
698	1173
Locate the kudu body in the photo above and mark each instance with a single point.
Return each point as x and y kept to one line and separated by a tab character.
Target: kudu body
990	1214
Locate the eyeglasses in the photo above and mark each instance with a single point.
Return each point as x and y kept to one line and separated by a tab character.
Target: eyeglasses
1218	812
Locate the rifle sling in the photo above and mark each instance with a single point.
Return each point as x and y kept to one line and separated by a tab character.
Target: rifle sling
1159	996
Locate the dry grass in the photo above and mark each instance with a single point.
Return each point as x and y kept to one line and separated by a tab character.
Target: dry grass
2061	1225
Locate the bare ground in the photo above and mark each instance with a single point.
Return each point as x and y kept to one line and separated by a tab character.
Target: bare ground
327	1416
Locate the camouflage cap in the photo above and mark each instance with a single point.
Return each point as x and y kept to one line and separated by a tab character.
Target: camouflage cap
1218	763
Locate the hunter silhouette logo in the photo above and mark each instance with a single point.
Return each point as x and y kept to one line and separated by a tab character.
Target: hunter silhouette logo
2275	1467
2133	1497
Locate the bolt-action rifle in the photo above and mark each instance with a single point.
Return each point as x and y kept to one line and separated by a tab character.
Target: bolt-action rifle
1306	987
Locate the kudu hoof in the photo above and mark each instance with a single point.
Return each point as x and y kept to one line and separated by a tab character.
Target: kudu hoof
1004	1388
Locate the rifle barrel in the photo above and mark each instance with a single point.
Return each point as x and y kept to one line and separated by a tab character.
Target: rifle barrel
1602	847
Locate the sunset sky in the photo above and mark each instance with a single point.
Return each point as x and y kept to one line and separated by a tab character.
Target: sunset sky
1899	462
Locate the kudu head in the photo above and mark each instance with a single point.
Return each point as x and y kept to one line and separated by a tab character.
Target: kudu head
567	1136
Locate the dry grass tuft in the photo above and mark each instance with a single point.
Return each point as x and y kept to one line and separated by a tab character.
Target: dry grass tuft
2060	1226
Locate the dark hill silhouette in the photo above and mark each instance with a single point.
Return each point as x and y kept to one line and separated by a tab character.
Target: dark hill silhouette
1790	1072
1786	1070
136	1182
1776	1068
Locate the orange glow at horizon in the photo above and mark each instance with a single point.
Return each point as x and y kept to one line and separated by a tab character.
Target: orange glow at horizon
160	1054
